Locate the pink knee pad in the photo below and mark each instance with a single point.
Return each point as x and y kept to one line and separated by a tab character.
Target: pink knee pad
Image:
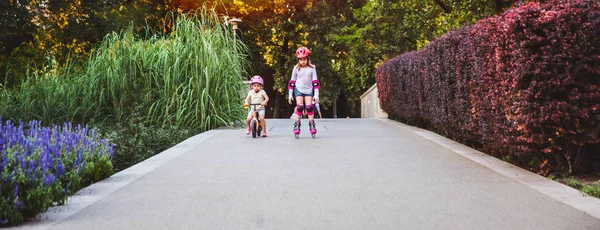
310	110
299	110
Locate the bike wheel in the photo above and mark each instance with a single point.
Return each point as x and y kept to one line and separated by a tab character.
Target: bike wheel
253	128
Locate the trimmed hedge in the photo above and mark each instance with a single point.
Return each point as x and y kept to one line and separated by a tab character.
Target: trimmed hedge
523	86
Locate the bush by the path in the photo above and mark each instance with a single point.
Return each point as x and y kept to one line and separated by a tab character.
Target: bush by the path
134	143
40	166
191	78
524	85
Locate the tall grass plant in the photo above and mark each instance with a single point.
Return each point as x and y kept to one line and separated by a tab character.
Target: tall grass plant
188	78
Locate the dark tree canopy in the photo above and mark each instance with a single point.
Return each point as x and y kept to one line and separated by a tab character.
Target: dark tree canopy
349	38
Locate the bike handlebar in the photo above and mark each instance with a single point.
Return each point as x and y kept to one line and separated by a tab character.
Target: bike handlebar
248	105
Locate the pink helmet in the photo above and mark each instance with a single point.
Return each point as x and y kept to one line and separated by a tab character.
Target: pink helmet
302	52
257	79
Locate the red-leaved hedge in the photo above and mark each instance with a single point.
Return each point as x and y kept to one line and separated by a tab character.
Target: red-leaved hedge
524	85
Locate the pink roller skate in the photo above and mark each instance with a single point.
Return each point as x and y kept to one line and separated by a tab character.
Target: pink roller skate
313	129
297	129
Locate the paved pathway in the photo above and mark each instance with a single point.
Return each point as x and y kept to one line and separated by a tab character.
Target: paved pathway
357	174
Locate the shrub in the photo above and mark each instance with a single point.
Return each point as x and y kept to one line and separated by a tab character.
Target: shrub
524	85
188	78
40	166
572	182
134	143
592	189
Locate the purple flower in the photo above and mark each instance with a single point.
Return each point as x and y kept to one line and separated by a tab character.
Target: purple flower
22	162
38	154
111	151
48	179
18	204
16	189
79	153
60	169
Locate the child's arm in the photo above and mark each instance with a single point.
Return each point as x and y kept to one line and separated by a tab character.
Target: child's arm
247	99
292	84
264	103
316	84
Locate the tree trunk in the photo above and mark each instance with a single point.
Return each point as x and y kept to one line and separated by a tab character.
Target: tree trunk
443	6
499	5
277	110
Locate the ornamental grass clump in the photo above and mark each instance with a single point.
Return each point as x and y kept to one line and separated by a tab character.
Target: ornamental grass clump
41	166
190	78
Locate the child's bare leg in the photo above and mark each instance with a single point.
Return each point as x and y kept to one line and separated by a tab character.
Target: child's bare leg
263	122
248	119
299	110
300	100
308	101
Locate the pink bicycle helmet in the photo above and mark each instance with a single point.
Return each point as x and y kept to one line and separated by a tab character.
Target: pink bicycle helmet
302	52
257	79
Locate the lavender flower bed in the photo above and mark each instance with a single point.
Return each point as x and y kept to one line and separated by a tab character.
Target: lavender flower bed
41	166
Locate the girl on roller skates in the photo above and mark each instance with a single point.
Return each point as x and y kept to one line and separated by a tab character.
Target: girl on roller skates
304	86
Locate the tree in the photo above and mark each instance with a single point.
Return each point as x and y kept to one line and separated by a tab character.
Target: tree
348	37
17	28
45	34
383	29
15	22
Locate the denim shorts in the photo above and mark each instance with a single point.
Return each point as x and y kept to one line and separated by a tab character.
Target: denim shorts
261	112
299	94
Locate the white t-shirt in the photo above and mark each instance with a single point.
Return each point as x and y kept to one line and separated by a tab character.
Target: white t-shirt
257	98
304	78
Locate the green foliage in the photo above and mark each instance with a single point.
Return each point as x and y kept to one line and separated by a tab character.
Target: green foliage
190	78
16	25
380	30
349	38
17	28
53	97
592	189
98	168
40	166
65	31
572	182
137	142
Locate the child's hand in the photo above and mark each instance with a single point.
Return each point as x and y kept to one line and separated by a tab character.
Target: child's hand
290	101
246	105
263	103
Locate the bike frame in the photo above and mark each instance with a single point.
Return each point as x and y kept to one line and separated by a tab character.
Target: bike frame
255	118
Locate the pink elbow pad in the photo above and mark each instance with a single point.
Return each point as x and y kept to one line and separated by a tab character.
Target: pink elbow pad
316	84
292	84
